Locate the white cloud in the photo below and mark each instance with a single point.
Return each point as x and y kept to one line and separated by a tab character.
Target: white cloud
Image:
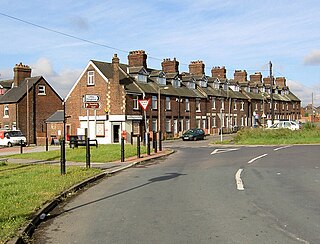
61	81
312	58
304	93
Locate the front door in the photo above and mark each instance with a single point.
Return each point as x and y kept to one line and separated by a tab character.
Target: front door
116	133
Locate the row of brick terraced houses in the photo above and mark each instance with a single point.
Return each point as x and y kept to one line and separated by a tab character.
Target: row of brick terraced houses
104	101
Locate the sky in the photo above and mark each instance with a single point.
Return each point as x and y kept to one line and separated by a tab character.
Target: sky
58	38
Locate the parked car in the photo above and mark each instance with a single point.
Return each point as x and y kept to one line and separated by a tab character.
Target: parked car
193	135
286	125
12	137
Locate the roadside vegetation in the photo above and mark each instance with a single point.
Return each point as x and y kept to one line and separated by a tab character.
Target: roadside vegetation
309	134
25	188
102	153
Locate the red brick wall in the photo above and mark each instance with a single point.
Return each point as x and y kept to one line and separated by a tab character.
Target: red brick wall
75	105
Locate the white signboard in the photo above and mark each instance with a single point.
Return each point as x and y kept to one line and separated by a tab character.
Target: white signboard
91	98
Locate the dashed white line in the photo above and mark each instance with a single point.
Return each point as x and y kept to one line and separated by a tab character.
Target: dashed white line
238	179
256	158
279	148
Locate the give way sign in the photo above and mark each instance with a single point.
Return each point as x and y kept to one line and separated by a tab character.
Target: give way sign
144	103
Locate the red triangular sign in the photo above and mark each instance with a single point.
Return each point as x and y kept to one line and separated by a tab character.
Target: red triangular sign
144	103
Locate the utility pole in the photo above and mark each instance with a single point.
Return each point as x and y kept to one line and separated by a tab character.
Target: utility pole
271	95
312	109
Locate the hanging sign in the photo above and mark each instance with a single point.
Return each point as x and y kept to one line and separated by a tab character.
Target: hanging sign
144	103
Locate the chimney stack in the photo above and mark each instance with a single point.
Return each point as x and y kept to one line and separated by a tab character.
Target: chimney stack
281	81
21	72
170	66
137	58
196	68
219	72
256	78
240	75
266	80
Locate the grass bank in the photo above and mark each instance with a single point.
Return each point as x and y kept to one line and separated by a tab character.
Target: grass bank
23	190
102	153
277	137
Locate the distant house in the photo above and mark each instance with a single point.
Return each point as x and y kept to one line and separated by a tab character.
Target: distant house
26	102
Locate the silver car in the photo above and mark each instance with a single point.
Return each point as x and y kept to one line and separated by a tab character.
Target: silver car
286	125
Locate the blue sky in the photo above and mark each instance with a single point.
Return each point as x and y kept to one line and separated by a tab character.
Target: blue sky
236	34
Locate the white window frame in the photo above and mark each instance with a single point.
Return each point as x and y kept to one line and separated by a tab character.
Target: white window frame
222	104
187	124
168	103
154	102
6	111
135	103
213	103
90	81
154	124
235	104
168	125
198	105
242	106
187	104
41	90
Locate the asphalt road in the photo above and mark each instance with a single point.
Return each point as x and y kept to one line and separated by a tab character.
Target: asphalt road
193	196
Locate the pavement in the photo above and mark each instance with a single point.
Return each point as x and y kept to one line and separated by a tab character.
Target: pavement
108	168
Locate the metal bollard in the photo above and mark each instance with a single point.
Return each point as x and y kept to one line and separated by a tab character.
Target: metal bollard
122	149
160	141
138	147
63	157
148	143
88	153
21	146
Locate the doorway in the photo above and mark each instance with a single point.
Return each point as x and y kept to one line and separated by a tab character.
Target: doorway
116	130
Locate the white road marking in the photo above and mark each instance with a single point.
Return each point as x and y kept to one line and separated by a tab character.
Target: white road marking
256	158
239	182
279	148
219	150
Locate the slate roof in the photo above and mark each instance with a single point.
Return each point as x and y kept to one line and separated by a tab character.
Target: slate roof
152	87
16	93
56	117
7	84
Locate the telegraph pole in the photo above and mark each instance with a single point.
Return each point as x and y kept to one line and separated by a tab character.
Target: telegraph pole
271	95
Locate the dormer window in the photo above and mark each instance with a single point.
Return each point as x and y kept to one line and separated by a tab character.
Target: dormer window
161	80
191	85
176	83
90	81
216	85
203	83
142	78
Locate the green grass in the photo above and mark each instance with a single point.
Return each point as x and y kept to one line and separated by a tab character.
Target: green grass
277	137
103	153
23	190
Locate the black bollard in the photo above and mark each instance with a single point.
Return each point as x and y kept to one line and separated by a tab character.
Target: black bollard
88	153
160	142
138	147
154	139
122	149
21	146
63	157
148	143
155	146
47	144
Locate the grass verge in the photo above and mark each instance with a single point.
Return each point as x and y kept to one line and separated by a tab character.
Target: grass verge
103	153
277	137
23	190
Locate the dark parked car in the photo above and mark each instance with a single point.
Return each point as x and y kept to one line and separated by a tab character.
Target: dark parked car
193	134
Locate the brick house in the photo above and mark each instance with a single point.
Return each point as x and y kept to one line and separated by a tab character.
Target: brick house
27	103
104	100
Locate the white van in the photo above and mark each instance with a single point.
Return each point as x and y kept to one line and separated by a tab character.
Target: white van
12	137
